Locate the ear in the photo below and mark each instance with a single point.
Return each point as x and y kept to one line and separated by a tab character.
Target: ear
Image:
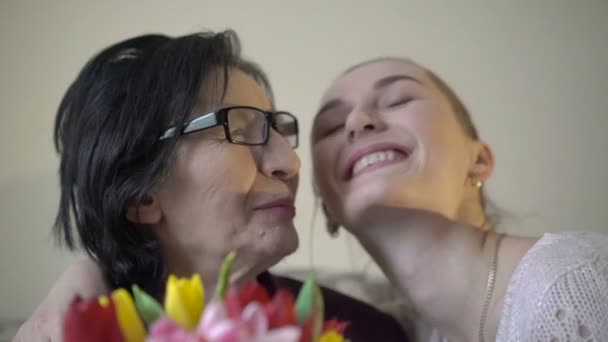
145	212
483	165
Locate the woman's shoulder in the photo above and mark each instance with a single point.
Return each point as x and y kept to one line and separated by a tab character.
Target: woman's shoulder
561	286
591	242
557	253
366	323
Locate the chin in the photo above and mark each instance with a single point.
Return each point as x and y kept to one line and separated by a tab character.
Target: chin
359	202
260	253
278	243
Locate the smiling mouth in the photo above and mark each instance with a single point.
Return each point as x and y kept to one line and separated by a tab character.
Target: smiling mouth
376	160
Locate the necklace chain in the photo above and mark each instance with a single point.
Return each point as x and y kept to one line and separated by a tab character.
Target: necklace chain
489	290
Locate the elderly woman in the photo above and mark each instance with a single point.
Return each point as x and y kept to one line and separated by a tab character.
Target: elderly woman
172	155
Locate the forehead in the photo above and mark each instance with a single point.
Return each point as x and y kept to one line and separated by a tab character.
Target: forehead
241	89
363	78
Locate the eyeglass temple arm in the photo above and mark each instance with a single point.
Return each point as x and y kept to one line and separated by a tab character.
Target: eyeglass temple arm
200	123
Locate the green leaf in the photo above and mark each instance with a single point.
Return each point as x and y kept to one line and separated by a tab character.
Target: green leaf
224	276
149	309
309	305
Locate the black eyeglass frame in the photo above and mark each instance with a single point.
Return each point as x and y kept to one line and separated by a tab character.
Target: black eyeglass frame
220	117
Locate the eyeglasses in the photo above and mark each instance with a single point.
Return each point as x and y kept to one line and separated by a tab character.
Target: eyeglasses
243	125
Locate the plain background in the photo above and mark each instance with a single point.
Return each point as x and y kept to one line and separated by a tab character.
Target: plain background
533	73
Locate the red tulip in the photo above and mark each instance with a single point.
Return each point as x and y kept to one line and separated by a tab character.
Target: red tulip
232	303
281	310
253	292
307	331
93	320
237	299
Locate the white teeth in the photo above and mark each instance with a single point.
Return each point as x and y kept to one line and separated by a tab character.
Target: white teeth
373	158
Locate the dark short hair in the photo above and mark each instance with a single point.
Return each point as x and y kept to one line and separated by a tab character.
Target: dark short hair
106	132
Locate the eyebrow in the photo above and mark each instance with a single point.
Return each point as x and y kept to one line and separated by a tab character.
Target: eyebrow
379	84
388	80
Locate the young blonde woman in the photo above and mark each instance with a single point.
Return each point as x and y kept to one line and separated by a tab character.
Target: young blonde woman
400	165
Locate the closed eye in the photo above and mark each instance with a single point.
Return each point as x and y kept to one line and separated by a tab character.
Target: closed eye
331	131
334	129
401	102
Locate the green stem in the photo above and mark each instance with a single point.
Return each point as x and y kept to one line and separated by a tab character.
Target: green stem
224	276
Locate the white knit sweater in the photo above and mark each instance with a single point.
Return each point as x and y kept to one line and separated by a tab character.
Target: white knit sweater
559	291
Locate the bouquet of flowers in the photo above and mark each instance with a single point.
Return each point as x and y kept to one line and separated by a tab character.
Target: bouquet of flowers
234	314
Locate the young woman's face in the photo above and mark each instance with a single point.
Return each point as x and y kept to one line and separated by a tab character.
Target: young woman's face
386	136
220	196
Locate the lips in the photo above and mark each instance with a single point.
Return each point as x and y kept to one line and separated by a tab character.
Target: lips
283	207
374	156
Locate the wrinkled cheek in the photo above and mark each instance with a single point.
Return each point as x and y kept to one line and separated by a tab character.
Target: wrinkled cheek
234	185
216	188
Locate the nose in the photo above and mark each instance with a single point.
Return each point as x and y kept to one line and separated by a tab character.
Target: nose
279	159
360	122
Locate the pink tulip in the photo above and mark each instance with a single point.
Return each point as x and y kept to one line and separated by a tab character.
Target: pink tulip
166	330
251	326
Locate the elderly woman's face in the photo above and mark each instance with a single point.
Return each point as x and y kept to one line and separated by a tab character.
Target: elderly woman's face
220	196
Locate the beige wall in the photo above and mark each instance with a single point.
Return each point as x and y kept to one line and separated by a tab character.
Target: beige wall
534	73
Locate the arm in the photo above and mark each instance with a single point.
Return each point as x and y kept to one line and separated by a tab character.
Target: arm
83	278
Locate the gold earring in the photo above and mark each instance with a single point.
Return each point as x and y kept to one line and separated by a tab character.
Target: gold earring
477	182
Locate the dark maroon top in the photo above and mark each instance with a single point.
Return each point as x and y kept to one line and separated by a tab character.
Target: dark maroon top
366	322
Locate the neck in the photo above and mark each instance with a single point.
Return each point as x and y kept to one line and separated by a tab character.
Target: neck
183	262
472	212
423	254
181	265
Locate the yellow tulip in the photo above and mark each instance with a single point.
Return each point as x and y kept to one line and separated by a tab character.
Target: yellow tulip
130	324
331	336
184	300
